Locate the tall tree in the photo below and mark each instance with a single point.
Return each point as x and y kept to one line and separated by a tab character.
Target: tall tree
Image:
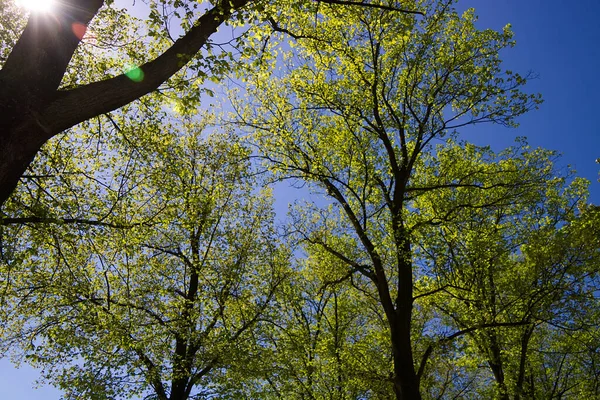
153	280
519	265
353	106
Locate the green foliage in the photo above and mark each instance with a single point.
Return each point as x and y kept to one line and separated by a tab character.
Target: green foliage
515	256
154	274
324	342
352	108
140	255
13	22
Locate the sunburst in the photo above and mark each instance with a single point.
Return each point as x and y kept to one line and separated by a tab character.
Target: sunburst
37	5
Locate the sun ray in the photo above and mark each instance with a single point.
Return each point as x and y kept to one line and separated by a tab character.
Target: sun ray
36	5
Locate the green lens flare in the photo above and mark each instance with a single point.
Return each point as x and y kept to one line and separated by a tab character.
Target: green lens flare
136	74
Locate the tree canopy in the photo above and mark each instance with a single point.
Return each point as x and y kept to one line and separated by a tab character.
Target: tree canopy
141	255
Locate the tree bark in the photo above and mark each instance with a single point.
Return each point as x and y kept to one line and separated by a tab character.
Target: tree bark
33	109
399	316
496	365
406	383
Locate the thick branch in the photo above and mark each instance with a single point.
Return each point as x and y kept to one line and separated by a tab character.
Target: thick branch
363	4
77	105
31	109
81	221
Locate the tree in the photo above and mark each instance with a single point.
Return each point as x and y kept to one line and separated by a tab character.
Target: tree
139	256
520	265
35	107
513	295
160	294
353	112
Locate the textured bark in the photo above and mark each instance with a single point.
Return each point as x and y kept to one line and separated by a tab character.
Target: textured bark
33	110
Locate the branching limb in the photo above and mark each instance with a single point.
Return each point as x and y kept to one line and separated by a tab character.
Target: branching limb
461	333
371	5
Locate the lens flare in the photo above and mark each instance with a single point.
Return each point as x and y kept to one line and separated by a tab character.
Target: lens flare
78	29
135	74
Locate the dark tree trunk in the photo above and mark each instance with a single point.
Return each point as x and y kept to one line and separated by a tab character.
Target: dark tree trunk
406	383
496	366
399	315
28	84
523	363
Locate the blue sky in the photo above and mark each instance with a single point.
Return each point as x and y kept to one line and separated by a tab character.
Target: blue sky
560	42
557	40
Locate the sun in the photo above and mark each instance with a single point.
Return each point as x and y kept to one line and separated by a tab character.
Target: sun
37	5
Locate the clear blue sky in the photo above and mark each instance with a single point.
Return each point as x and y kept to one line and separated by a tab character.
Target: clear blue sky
556	39
560	42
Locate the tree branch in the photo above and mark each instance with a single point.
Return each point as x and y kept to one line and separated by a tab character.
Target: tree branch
277	28
460	333
47	220
370	5
74	106
153	375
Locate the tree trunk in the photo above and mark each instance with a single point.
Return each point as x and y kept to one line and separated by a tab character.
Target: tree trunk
520	390
406	383
18	147
495	363
28	82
